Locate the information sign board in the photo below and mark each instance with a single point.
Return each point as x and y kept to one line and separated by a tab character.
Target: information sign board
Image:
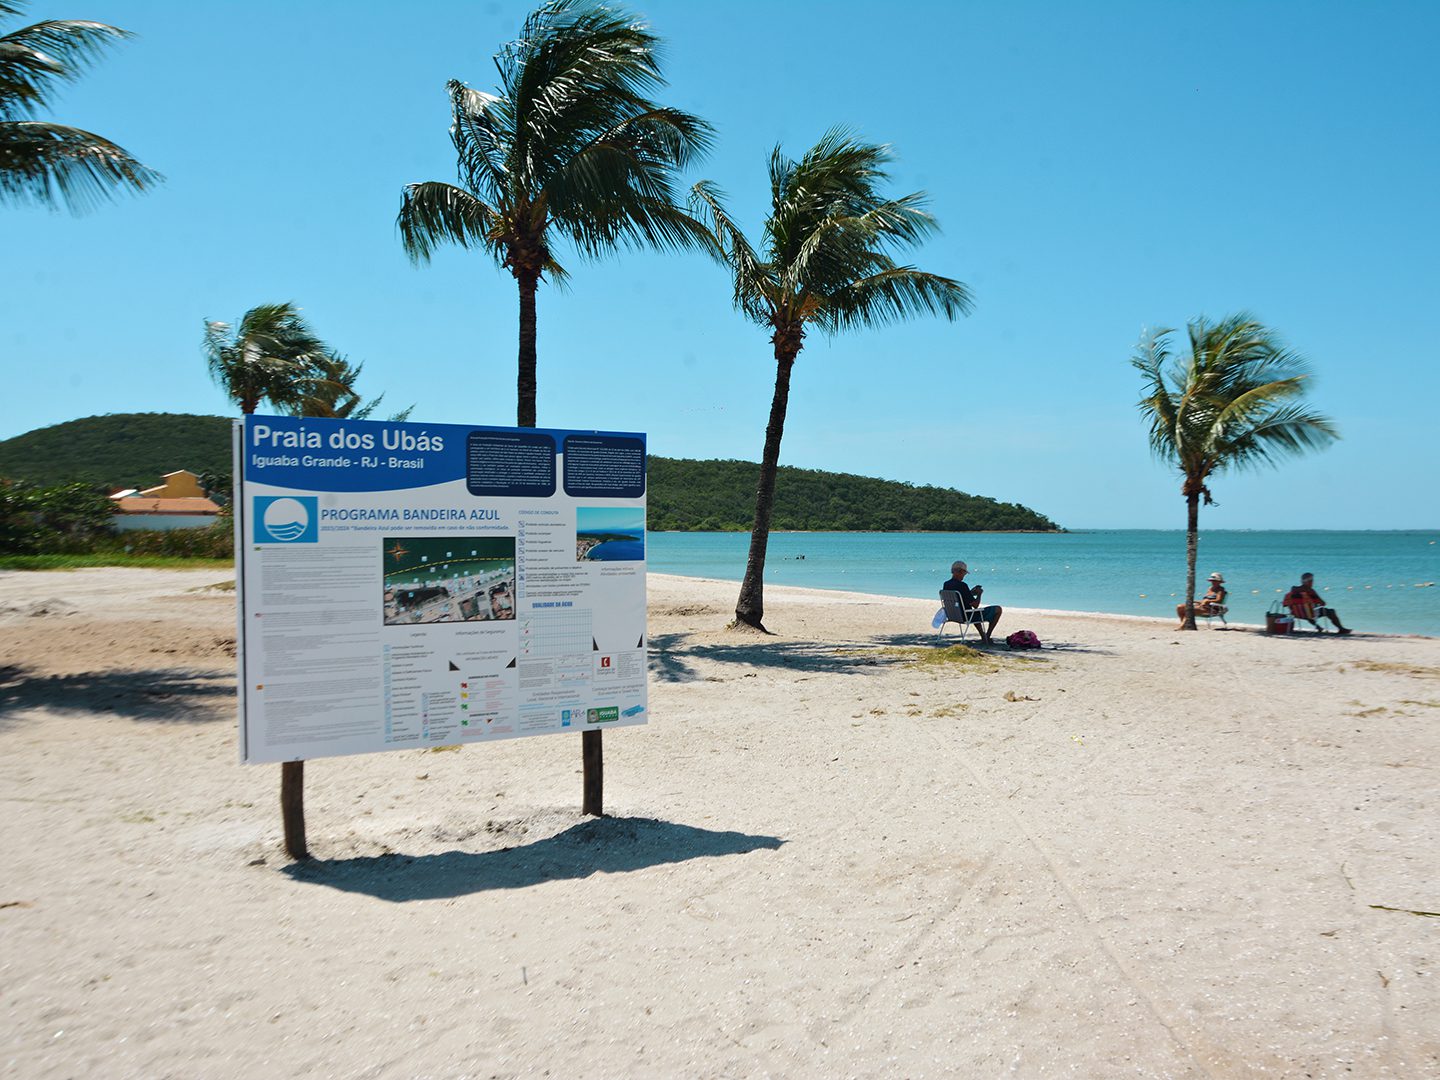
407	585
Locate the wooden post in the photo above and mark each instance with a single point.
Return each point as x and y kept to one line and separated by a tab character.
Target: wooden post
593	755
292	807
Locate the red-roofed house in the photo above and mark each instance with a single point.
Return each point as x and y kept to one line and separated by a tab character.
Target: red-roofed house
178	503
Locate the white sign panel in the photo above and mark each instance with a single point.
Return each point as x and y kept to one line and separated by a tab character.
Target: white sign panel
407	585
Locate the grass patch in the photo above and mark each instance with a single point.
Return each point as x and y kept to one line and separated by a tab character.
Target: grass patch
1418	670
440	749
951	658
945	711
111	558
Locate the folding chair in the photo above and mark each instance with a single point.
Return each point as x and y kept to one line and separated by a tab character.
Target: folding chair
1309	613
1217	612
955	612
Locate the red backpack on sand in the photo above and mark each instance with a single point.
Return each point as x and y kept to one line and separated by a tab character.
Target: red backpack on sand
1023	639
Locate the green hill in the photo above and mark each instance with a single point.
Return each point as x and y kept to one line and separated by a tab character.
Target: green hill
119	450
720	495
135	449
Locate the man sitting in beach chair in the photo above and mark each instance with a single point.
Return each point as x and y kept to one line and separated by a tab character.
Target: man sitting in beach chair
1305	603
964	607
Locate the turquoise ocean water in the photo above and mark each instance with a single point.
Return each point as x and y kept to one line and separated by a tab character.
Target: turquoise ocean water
1376	580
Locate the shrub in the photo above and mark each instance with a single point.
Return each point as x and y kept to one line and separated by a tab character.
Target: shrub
78	519
213	542
64	519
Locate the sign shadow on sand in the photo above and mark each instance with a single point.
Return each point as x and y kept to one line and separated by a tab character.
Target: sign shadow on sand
596	846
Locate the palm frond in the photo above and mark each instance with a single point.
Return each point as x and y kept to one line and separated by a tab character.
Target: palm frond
43	163
570	143
891	295
826	244
1287	431
1230	403
34	60
577	69
728	245
619	190
272	354
1152	358
433	213
481	132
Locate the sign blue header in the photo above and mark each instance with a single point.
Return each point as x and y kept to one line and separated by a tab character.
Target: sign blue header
318	454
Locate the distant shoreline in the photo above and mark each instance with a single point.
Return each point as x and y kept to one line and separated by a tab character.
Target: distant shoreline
805	592
890	532
1033	532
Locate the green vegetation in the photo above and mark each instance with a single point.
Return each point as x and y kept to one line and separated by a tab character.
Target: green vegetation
74	520
330	392
720	496
950	659
271	355
1230	402
63	519
120	450
824	260
135	449
43	163
274	356
569	147
111	558
215	542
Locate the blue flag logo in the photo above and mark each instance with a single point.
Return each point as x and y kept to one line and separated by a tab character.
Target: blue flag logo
287	519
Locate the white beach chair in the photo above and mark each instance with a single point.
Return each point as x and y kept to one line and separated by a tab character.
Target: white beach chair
955	612
1218	612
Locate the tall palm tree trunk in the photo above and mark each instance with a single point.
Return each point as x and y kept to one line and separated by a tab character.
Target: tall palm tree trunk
1192	549
525	384
592	752
750	608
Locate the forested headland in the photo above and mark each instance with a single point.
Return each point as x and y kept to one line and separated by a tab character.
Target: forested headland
136	449
706	496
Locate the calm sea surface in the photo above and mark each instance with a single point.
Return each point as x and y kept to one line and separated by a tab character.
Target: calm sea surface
1376	580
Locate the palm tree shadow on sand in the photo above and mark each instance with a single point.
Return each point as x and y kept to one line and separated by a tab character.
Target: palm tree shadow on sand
596	846
160	695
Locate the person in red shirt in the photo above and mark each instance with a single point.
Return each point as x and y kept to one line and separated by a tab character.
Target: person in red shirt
1305	603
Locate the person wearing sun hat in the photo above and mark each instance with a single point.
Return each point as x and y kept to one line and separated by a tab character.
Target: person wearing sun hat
1212	603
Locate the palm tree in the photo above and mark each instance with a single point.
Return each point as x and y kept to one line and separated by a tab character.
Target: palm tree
825	262
570	146
329	390
43	162
1231	403
273	354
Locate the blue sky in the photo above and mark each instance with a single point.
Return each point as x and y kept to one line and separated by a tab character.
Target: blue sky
1096	169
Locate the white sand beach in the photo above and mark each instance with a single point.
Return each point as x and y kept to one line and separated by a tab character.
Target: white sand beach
834	851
